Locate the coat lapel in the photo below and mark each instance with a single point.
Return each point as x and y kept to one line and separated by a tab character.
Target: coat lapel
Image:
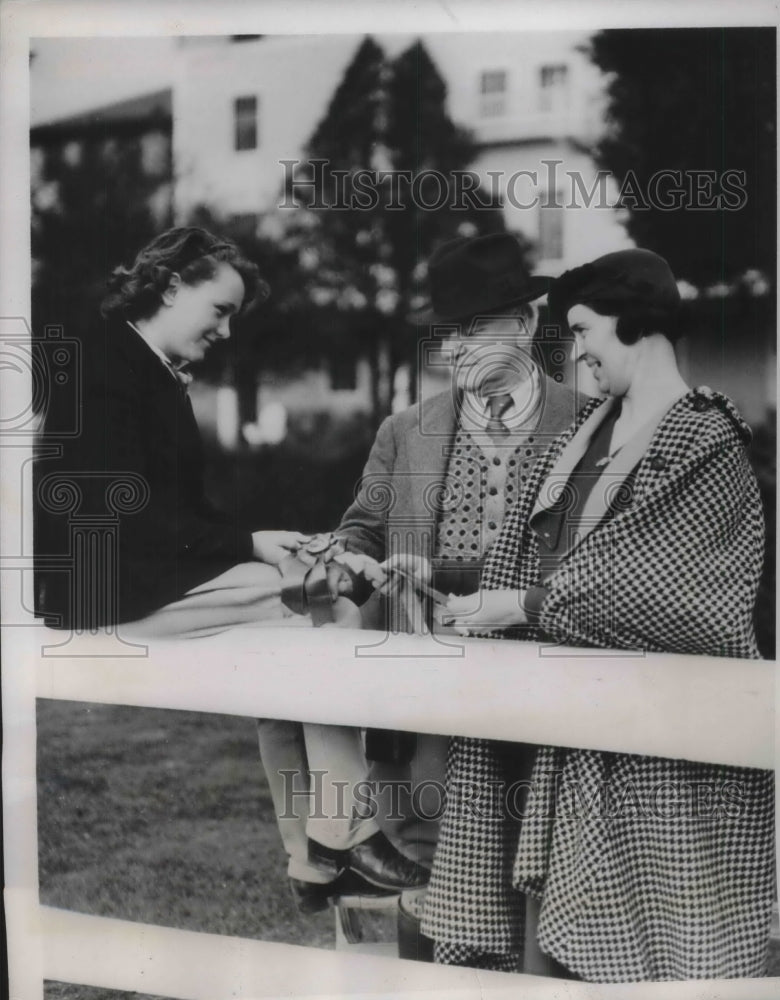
614	475
612	479
564	466
429	450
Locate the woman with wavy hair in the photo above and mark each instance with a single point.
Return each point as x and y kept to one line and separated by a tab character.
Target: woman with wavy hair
173	548
176	566
641	528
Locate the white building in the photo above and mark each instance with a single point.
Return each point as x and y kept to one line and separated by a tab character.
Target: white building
532	100
240	106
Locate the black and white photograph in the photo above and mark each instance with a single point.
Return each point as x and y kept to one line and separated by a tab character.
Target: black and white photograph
389	511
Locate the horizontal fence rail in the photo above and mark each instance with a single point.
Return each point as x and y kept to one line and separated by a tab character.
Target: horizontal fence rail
698	708
131	956
693	707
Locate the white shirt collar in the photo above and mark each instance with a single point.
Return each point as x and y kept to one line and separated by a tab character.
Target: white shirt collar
163	357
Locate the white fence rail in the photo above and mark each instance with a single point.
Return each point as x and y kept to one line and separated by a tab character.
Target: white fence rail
693	707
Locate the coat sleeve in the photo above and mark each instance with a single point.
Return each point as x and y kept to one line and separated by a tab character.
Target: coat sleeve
364	525
676	571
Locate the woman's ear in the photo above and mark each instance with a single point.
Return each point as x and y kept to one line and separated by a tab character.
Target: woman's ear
169	294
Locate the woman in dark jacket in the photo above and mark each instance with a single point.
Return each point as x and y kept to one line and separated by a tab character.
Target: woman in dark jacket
123	524
640	529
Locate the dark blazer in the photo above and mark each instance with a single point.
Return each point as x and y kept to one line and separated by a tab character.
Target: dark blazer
122	523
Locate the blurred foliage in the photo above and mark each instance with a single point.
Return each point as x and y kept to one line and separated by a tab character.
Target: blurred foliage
695	99
90	211
361	233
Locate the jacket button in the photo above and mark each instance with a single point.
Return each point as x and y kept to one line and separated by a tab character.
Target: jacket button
700	404
657	463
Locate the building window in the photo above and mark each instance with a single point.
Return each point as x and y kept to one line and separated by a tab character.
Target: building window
551	226
553	88
245	121
492	93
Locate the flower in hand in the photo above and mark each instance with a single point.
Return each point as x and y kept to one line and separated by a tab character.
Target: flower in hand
273	546
484	611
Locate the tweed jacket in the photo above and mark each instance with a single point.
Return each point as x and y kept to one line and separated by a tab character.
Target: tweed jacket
136	468
402	490
671	565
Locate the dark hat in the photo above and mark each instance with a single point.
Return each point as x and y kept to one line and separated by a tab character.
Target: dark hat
625	279
478	274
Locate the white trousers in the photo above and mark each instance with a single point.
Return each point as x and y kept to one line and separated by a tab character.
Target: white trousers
314	771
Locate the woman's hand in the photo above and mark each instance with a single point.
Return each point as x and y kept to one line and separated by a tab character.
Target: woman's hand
387	575
273	546
483	611
342	567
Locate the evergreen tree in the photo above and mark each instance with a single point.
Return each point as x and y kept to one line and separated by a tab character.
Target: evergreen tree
360	254
90	211
695	100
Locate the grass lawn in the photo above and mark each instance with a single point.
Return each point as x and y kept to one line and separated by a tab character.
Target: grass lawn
165	817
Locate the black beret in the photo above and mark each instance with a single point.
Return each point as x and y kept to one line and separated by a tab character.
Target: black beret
632	279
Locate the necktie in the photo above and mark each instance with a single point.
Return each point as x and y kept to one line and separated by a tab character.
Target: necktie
498	406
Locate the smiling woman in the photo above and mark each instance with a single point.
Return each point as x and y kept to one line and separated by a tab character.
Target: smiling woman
123	525
639	529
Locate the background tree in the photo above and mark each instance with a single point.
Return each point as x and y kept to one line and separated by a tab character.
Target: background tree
362	259
695	99
83	225
421	137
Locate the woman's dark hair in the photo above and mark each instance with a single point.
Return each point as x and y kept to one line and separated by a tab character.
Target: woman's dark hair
188	251
636	320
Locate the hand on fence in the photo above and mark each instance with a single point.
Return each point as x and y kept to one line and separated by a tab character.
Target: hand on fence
346	614
483	611
345	566
388	576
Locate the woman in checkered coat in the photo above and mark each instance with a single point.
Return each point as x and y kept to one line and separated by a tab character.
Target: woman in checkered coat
641	528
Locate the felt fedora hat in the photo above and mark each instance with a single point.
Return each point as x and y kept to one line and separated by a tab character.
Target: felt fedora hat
479	274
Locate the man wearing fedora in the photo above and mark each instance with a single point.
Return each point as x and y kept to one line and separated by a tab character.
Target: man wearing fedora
442	473
434	491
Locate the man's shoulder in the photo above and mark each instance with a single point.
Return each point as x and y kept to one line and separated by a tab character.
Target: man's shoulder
561	402
439	406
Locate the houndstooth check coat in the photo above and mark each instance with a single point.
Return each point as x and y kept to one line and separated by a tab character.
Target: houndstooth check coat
665	890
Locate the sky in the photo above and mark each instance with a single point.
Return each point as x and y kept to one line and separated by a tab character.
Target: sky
70	75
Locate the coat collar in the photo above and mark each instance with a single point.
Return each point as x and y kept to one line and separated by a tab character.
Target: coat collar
137	356
613	478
